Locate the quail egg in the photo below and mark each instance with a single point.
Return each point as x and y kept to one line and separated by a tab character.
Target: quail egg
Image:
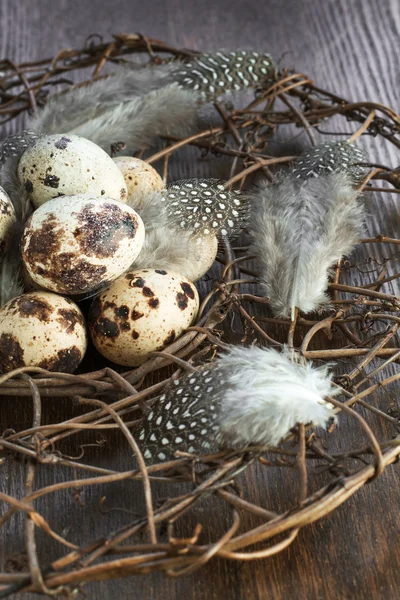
140	178
65	165
75	245
7	221
44	330
203	251
142	311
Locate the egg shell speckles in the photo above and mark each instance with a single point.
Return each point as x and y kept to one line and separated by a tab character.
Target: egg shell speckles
66	165
141	312
43	330
203	253
140	178
76	244
7	221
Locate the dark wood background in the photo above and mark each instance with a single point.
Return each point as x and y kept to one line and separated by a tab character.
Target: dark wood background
352	48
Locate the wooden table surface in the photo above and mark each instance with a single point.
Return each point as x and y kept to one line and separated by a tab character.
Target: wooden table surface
350	47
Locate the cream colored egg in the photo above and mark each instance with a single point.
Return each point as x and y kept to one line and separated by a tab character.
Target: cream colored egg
76	244
141	312
140	179
67	165
7	221
28	283
203	251
41	330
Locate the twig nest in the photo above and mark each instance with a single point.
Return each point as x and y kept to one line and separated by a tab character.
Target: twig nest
76	244
44	330
141	312
141	179
65	165
7	221
203	251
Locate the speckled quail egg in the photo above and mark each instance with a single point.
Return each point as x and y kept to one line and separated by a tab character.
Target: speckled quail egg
140	178
75	245
203	251
41	329
7	221
143	311
66	165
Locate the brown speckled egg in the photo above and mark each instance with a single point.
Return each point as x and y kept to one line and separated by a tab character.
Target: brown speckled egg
74	245
143	311
140	178
43	330
66	165
7	221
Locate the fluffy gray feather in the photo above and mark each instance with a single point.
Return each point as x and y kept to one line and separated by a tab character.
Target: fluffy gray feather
168	111
132	105
300	230
90	100
165	247
11	283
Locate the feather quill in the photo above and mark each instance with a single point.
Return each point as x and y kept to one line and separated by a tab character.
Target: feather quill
249	395
300	229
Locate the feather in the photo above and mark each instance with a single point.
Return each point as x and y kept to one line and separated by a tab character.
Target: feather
331	157
10	276
16	144
178	216
167	111
300	229
214	74
205	206
165	246
249	395
162	247
71	108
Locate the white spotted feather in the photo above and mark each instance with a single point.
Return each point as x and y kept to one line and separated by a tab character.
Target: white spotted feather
205	206
248	396
215	73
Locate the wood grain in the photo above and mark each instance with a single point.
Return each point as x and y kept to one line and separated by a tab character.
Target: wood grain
350	47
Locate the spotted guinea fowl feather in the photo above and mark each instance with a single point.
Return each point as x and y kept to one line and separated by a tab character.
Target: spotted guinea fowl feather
16	144
205	206
215	73
249	395
331	157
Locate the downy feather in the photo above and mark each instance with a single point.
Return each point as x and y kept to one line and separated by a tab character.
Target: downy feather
165	247
132	106
269	392
300	229
10	271
91	99
247	396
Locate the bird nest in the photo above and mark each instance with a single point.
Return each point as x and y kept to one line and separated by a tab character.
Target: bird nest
162	527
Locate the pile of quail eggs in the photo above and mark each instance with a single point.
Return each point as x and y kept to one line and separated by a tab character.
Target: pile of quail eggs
81	241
